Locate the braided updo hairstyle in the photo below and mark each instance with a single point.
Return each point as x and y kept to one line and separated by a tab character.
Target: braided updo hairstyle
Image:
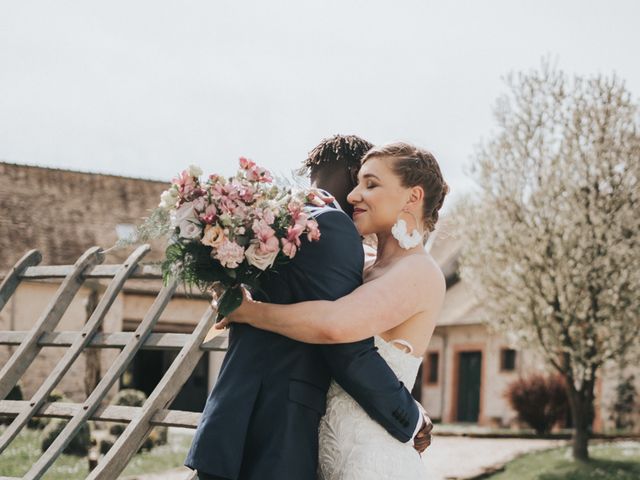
416	167
346	150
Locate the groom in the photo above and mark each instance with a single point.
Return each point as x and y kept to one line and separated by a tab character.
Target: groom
261	419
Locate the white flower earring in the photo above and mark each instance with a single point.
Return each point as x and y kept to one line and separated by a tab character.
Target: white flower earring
400	233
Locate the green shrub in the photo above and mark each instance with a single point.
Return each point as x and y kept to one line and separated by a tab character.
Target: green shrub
105	444
42	422
128	397
135	398
14	394
80	443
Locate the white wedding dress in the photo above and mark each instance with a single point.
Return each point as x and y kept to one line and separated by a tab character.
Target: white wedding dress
355	447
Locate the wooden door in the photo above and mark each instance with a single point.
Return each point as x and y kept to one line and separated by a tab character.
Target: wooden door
469	374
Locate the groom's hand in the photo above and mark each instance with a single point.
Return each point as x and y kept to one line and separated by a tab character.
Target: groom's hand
423	438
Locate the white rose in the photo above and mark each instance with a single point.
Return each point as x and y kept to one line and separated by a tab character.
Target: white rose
190	230
258	259
168	198
194	170
185	212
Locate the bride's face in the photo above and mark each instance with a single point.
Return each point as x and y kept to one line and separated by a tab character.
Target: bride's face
378	197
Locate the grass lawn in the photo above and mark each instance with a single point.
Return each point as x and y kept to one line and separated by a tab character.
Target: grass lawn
25	450
618	460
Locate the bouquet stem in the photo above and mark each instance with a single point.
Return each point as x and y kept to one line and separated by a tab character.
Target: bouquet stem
229	301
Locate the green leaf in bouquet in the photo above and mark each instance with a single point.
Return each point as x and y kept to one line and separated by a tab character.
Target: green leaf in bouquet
174	254
229	301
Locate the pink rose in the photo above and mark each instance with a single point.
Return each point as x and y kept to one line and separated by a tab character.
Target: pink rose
200	204
247	193
268	216
230	254
185	182
295	208
293	234
301	219
313	232
266	236
228	206
314	199
270	245
289	248
255	173
246	164
210	215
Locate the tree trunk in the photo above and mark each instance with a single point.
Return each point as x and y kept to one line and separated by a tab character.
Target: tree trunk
581	404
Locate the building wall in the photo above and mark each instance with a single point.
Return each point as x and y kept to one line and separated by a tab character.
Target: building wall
62	213
449	342
609	378
32	298
495	410
27	304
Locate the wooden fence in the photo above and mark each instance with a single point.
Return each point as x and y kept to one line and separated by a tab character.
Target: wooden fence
140	419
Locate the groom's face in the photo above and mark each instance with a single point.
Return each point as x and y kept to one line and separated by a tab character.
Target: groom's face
337	180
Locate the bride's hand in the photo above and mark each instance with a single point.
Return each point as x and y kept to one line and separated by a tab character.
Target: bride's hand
242	314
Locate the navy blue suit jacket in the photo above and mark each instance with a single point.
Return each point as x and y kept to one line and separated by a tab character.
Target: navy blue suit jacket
261	418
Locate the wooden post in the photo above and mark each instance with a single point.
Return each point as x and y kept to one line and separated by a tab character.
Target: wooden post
115	371
82	340
27	351
130	440
92	367
12	280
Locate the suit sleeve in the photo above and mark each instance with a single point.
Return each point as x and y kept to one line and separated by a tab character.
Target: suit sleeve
358	367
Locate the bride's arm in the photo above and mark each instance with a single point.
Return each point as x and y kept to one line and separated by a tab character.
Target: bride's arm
407	289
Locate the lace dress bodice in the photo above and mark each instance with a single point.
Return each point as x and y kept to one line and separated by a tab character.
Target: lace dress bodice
355	447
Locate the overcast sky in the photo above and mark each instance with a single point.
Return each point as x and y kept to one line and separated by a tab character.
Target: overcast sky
144	88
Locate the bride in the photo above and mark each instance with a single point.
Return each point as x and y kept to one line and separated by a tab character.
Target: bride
400	188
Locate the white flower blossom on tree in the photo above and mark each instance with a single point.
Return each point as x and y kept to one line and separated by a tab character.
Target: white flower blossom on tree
551	242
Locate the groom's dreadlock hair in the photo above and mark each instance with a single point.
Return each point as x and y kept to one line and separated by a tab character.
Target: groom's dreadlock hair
345	149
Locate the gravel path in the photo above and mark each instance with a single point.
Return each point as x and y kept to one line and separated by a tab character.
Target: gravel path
447	458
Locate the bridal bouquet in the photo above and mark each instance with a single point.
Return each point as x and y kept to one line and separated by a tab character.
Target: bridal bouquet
226	232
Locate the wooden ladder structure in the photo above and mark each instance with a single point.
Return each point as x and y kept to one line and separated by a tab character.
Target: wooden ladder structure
140	419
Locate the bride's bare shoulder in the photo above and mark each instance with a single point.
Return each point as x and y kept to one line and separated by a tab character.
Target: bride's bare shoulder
424	268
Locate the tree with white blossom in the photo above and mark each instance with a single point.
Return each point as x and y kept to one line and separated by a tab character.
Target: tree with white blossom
551	240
